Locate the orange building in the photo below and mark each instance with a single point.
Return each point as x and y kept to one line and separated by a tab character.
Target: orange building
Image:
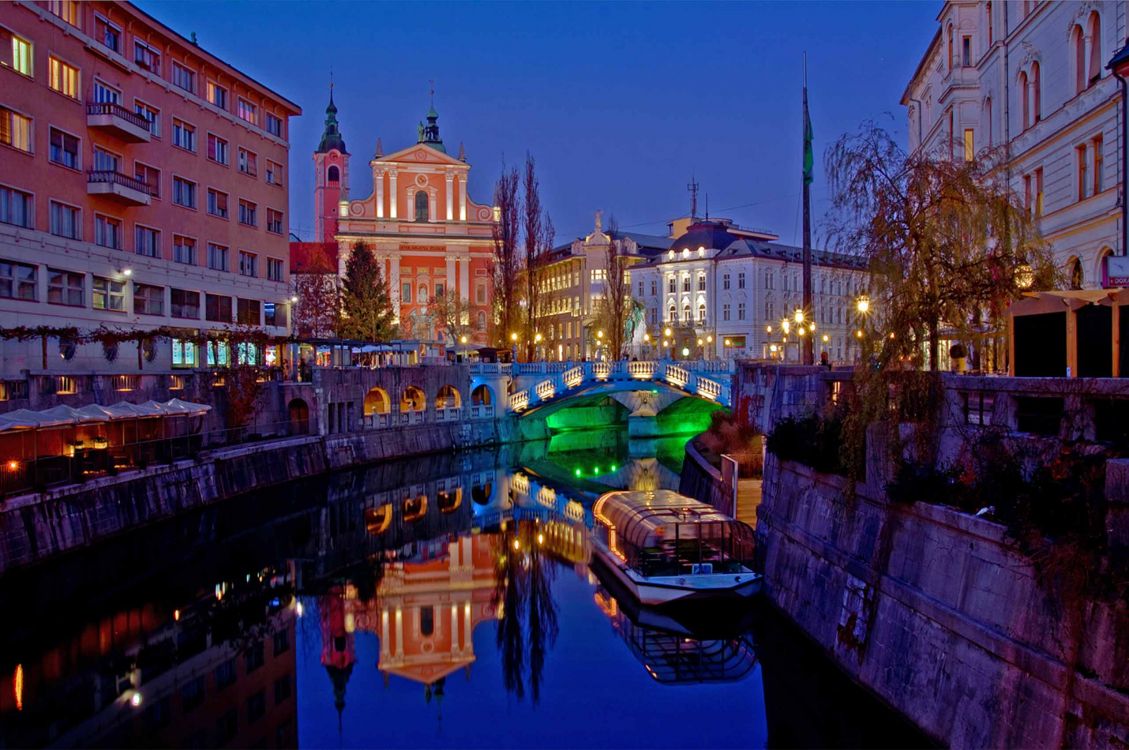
142	185
431	239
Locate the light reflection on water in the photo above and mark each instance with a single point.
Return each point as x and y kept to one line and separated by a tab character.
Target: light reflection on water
442	601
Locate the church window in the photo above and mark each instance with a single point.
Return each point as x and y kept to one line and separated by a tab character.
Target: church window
421	206
333	174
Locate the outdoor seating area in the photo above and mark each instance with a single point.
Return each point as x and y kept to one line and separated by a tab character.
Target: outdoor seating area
62	445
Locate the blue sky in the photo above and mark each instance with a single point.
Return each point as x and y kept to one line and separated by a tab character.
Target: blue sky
620	103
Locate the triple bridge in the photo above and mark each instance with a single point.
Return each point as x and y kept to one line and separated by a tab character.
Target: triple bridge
539	383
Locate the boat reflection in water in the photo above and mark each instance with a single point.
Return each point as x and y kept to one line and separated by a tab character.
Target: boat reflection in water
677	648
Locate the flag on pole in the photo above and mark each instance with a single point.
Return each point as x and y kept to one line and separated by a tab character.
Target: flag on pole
809	159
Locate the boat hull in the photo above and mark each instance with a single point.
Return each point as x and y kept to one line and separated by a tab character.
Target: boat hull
660	591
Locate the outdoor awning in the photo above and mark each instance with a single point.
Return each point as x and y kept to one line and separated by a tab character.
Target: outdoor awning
64	416
187	407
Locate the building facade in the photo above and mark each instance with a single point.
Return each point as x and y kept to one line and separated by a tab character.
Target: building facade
1029	79
573	281
722	292
431	239
142	186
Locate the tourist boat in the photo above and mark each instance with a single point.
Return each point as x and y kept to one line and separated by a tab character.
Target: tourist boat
666	548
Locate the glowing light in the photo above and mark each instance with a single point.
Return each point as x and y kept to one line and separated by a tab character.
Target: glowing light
891	334
176	615
298	608
517	545
614	467
667	332
798	316
513	337
768	329
685	351
127	272
785	326
294	300
699	342
537	339
826	338
726	342
772	348
540	538
599	334
18	686
462	339
709	339
135	699
858	334
665	342
863	305
647	337
578	472
12	465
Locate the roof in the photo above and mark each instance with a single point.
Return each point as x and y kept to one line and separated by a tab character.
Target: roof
646	519
313	257
732	247
331	137
921	65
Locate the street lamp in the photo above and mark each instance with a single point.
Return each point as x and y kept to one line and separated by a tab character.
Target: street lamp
798	316
862	304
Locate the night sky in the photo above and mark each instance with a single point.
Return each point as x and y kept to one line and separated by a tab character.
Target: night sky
619	103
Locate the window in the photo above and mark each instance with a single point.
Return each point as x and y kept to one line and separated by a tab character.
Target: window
670	288
1097	144
1078	43
406	293
701	312
185	304
15	52
146	241
274	224
106	94
62	77
183	192
274	125
217	350
107	33
184	78
421	206
248	213
217	95
148	300
274	269
65	385
146	57
1024	100
108	294
64	9
949	59
1027	192
686	282
1039	191
740	311
248	264
1036	93
1083	178
640	288
274	315
333	174
184	352
969	144
151	176
741	280
701	282
217	203
988	14
281	689
15	130
274	173
217	149
183	135
63	149
152	115
217	257
248	162
18	281
654	288
1095	66
725	281
256	707
966	51
16	208
184	250
248	311
217	308
106	161
66	221
247	111
66	288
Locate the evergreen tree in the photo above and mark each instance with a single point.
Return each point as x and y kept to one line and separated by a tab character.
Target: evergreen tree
366	312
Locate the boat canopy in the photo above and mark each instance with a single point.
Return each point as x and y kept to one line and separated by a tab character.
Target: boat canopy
650	519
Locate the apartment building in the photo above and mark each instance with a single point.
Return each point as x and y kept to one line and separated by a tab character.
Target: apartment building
1030	79
142	186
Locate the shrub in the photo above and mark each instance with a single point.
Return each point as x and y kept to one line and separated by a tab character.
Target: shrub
811	440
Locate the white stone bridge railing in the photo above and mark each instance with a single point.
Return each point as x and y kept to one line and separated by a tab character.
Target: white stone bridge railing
709	379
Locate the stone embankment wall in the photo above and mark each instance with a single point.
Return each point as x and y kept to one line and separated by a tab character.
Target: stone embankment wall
939	613
37	526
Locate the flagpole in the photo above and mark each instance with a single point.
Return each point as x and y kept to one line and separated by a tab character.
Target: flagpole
809	340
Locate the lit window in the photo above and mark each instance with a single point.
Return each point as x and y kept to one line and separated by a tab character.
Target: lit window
217	95
15	52
64	9
15	130
62	77
108	294
247	111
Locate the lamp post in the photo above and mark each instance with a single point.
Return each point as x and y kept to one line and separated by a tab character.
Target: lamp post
513	346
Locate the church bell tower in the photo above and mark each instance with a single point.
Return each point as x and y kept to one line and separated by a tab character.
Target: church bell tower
331	175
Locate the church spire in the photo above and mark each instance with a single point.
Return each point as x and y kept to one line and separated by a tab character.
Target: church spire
331	137
429	133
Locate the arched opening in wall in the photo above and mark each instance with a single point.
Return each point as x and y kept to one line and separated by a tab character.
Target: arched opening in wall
1102	270
701	312
415	508
1074	273
671	314
377	402
427	621
1078	45
1025	100
1036	93
480	493
412	399
481	396
377	520
421	206
988	121
298	413
686	312
1094	26
480	321
333	174
448	398
449	500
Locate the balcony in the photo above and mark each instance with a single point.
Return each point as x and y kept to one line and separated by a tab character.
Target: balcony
128	190
118	120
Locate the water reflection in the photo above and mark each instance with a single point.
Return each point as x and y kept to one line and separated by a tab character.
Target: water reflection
397	605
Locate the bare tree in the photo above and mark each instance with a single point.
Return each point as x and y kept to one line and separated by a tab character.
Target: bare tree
452	315
614	307
539	236
318	298
506	261
946	240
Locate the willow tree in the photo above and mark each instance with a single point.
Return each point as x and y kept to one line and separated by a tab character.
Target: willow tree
946	241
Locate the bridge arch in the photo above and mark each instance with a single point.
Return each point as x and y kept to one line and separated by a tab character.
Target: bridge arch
482	395
448	397
412	399
377	402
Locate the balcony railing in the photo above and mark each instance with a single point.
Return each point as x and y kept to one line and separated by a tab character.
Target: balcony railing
122	121
111	183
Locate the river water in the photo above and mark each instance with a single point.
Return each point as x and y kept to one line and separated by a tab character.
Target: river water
444	601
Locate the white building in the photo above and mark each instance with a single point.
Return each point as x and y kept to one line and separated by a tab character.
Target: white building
1031	76
724	291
